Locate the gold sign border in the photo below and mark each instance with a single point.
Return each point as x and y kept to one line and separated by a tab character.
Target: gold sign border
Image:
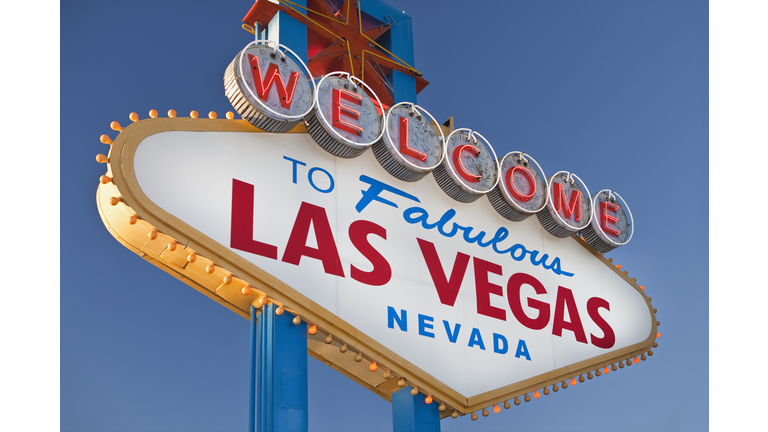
219	273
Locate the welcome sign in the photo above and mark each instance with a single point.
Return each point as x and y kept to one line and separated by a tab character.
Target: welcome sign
448	296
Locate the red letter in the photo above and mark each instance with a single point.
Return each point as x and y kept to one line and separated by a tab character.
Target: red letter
404	149
447	290
273	77
326	247
483	289
459	165
609	338
605	218
513	297
241	236
382	272
574	205
565	301
339	109
513	189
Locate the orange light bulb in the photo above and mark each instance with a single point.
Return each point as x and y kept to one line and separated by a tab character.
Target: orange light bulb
428	400
606	370
172	113
212	115
496	409
536	394
246	289
573	381
636	360
373	367
312	330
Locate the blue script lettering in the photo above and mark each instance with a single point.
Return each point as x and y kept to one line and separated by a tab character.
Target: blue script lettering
518	252
418	215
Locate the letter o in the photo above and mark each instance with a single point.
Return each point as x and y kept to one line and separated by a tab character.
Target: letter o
311	182
513	189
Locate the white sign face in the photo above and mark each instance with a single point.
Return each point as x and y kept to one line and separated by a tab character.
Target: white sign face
474	300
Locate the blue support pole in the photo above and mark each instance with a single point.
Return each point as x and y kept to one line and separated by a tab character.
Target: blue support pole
252	394
281	377
399	41
411	414
279	346
288	31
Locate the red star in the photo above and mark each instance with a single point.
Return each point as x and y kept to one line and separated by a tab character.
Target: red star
340	37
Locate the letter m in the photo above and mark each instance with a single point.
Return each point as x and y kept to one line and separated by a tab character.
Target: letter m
272	77
559	200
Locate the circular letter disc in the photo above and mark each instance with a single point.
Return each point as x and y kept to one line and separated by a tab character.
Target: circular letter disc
469	169
412	144
612	225
522	189
569	208
268	88
345	120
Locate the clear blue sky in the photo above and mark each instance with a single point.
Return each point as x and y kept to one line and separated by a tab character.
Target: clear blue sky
614	91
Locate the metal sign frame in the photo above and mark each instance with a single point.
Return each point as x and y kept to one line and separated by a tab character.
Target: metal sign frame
219	273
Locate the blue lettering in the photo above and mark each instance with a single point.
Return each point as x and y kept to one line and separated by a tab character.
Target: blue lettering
555	266
522	350
476	339
501	234
534	254
422	215
500	344
452	337
311	182
520	248
418	215
424	325
401	320
447	216
377	187
295	163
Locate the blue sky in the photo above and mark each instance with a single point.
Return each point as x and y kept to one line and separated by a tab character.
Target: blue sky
617	92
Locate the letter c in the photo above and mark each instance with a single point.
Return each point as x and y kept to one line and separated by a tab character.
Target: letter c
460	165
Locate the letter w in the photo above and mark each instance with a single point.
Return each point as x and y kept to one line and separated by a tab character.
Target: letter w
272	77
574	205
447	290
